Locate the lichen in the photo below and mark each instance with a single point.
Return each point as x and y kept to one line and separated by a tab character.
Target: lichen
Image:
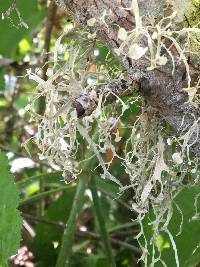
157	163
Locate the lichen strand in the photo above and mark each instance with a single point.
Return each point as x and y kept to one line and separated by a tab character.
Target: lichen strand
157	174
152	167
157	162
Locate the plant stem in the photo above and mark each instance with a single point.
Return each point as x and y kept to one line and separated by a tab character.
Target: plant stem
8	149
122	226
87	234
46	193
67	239
26	181
119	201
102	225
51	16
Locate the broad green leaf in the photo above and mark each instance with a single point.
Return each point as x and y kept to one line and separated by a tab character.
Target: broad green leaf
10	220
186	238
10	29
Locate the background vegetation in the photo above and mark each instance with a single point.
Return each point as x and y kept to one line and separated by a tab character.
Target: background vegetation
104	232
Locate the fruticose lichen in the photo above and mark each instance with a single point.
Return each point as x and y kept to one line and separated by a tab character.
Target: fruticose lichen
157	163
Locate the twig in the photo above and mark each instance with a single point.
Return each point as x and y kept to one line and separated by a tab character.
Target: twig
122	226
8	149
41	220
119	201
125	233
56	174
28	180
102	225
62	225
84	234
162	90
120	243
44	194
27	227
113	240
86	104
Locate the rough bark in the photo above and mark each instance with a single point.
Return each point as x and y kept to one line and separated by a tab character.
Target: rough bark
162	90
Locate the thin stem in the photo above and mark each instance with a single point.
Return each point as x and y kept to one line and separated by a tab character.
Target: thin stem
44	221
87	234
122	226
51	16
102	225
115	241
8	149
110	195
56	174
42	200
67	239
120	243
46	193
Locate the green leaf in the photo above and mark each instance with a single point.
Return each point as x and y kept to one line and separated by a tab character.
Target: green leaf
108	186
47	236
12	33
10	219
2	81
91	261
187	242
24	46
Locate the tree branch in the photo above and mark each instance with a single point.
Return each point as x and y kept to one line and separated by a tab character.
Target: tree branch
87	103
162	90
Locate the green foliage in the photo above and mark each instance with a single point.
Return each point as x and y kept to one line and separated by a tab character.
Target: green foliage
54	177
92	261
47	236
10	220
10	27
184	227
2	82
46	199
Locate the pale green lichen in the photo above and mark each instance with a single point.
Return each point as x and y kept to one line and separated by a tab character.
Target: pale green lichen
156	173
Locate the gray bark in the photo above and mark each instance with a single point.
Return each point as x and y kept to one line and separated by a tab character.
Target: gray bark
162	90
